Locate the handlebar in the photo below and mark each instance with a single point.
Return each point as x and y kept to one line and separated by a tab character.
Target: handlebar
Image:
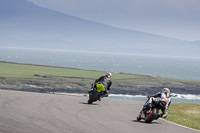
150	96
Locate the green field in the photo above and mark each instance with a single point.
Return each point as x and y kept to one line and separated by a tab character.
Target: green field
185	114
28	71
39	78
29	77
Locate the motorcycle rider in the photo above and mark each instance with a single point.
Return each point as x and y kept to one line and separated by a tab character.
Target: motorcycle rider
163	98
103	84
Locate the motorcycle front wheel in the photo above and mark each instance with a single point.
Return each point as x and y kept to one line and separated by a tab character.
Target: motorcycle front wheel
139	117
93	97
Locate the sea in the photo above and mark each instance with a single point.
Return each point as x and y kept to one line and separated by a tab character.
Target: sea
187	68
176	98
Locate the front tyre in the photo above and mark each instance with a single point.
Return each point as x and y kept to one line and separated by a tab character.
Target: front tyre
139	117
93	97
89	101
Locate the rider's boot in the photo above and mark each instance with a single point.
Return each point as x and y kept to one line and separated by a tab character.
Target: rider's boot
105	94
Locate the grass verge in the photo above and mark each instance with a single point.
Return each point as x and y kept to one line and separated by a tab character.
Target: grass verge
185	114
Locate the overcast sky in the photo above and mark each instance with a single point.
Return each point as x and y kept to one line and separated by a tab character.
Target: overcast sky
172	18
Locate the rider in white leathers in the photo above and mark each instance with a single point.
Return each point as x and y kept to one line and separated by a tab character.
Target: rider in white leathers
164	98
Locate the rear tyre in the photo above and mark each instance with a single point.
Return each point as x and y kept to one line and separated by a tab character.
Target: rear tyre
153	115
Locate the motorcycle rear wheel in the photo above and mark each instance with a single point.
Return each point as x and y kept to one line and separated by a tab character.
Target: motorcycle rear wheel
150	117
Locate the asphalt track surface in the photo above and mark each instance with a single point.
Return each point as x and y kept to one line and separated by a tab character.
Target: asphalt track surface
26	112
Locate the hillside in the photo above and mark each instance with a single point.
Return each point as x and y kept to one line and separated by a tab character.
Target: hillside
167	18
47	79
24	24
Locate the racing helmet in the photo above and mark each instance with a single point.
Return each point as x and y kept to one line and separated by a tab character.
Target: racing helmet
166	91
109	74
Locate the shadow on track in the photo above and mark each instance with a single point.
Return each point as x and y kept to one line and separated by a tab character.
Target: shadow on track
88	104
145	122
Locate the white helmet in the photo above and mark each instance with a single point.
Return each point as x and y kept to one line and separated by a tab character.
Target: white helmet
166	91
109	74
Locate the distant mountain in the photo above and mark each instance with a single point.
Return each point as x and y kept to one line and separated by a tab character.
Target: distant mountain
23	24
170	18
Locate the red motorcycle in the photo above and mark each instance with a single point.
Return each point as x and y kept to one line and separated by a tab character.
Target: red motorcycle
150	110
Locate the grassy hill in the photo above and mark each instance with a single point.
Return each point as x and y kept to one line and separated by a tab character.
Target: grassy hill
37	78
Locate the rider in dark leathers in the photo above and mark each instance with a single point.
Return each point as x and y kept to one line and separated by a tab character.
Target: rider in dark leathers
103	84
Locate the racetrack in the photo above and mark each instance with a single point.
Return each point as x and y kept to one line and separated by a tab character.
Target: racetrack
26	112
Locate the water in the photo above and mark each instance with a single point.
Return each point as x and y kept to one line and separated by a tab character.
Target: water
180	98
170	67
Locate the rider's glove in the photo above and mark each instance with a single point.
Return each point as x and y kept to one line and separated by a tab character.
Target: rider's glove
163	103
